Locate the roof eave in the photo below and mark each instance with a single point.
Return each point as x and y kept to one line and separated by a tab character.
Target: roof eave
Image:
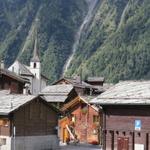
124	104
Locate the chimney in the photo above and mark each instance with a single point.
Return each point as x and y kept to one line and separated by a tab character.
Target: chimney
26	89
78	79
2	64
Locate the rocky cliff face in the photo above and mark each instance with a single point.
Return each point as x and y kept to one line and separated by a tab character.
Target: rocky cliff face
114	42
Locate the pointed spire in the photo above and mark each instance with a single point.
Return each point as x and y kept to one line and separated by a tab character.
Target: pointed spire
35	57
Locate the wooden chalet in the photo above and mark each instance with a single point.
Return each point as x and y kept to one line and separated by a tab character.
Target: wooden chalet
126	116
11	81
81	87
27	122
80	122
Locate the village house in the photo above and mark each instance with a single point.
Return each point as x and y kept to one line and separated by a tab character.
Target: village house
11	81
27	122
79	122
33	72
78	109
81	87
126	116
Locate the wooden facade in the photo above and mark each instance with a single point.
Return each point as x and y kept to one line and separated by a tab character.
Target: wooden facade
4	126
32	119
120	131
35	118
126	115
32	125
83	121
6	83
12	82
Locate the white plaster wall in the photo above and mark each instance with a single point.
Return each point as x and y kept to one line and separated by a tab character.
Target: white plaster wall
36	71
37	83
49	142
43	84
36	86
14	67
8	143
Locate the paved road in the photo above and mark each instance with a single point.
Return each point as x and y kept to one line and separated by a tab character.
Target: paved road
80	147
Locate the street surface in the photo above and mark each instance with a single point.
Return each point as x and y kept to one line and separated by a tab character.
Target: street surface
80	147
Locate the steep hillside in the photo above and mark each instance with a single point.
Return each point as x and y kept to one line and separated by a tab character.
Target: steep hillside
111	39
116	44
57	22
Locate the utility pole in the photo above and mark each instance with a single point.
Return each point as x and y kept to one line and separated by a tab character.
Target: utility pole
14	133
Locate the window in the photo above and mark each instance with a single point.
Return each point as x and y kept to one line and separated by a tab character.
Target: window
84	108
34	66
4	122
73	118
2	141
95	118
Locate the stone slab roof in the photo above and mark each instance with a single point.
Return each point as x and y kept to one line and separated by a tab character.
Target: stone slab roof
95	79
56	93
126	93
55	98
13	75
24	70
11	102
61	88
75	83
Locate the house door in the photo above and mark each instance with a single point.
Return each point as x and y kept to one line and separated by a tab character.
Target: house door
123	143
65	135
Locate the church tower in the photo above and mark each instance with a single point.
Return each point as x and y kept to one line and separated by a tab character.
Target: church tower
35	64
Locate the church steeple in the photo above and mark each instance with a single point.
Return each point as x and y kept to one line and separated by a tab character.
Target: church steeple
35	64
35	57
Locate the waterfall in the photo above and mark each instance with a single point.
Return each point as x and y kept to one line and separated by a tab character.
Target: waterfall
92	5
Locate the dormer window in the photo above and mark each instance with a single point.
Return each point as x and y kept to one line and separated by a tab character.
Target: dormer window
34	65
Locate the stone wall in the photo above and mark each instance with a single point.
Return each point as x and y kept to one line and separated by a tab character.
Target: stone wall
49	142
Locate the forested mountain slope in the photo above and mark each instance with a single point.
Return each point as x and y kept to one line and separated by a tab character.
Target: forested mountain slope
58	21
116	44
